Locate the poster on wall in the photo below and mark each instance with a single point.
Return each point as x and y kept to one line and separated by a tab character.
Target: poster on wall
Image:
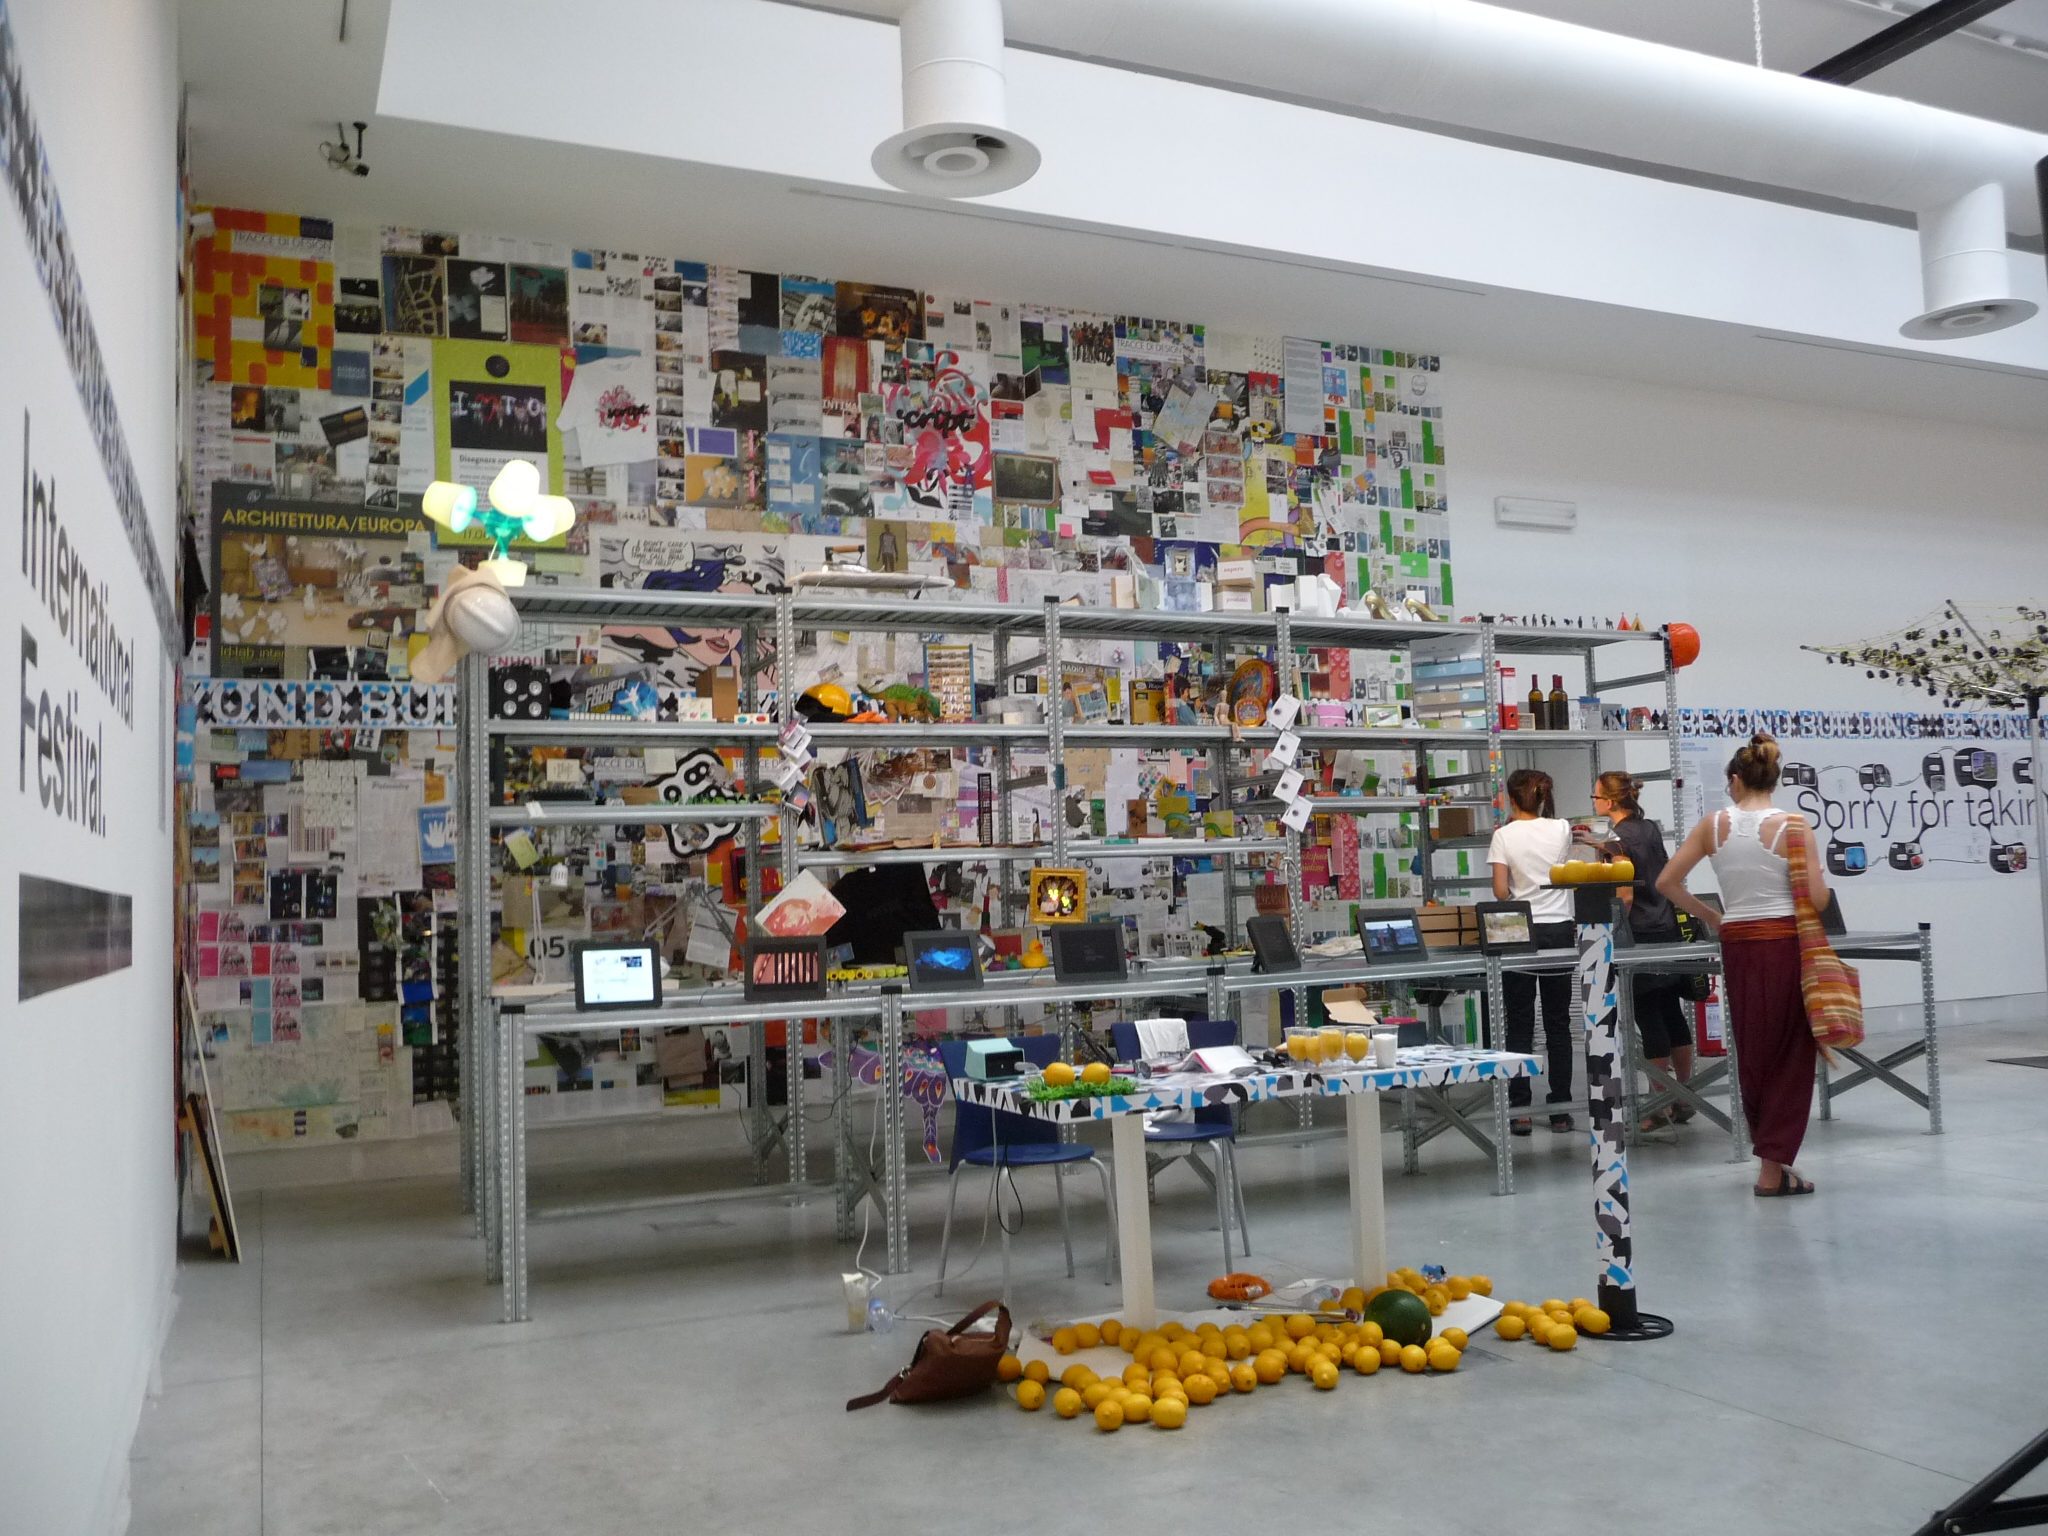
292	573
1893	797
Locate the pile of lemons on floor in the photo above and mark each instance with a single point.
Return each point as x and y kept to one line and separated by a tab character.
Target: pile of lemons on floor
1556	1323
1175	1368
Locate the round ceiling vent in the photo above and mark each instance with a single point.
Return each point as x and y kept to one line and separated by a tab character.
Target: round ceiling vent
956	159
1978	317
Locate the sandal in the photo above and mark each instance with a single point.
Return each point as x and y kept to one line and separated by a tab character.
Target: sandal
1562	1125
1789	1183
1518	1127
1656	1122
1683	1114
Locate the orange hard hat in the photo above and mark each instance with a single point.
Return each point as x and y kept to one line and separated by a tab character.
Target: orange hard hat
1685	644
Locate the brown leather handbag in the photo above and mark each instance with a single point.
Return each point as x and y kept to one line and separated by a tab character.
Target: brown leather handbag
952	1363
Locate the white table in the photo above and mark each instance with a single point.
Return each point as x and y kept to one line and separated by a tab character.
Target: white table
1359	1086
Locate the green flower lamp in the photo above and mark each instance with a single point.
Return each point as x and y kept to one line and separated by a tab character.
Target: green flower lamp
517	507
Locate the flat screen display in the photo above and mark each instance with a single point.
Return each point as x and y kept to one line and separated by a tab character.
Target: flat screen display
780	970
618	976
1506	925
1088	952
946	957
1272	943
1389	939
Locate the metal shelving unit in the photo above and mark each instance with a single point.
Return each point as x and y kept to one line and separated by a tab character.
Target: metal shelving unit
769	626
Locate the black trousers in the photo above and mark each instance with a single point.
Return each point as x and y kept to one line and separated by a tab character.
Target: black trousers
1520	991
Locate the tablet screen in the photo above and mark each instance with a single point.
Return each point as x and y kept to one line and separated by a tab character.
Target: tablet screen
942	959
1503	928
1391	938
618	976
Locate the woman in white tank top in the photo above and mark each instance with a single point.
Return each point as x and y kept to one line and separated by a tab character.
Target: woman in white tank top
1752	845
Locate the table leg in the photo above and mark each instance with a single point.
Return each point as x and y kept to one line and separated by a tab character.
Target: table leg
1368	1190
1927	1025
1133	1219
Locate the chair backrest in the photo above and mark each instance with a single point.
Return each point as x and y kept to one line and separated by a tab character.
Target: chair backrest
974	1126
1203	1034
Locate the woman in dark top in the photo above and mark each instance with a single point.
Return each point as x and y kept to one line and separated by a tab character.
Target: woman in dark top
1660	1010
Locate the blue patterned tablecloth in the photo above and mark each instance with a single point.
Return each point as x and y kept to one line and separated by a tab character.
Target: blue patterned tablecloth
1420	1067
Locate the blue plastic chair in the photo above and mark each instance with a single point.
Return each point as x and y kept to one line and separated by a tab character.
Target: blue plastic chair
998	1139
1213	1126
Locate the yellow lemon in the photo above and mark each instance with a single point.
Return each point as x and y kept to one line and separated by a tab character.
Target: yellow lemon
1270	1367
1164	1358
1371	1333
1555	1305
1324	1375
1093	1397
1513	1308
1593	1320
1095	1073
1260	1336
1442	1357
1064	1341
1562	1337
1366	1359
1066	1402
1201	1390
1087	1335
1509	1326
1109	1415
1244	1377
1481	1286
1190	1362
1353	1299
1076	1376
1112	1331
1136	1373
1009	1368
1038	1371
1170	1414
1413	1358
1455	1337
1137	1409
1577	1302
1299	1325
1173	1333
1237	1344
1390	1352
1459	1287
1030	1395
1059	1074
1436	1300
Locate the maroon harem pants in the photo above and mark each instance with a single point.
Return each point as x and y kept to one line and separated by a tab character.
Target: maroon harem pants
1774	1049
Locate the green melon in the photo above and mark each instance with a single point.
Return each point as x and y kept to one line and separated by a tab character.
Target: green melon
1403	1316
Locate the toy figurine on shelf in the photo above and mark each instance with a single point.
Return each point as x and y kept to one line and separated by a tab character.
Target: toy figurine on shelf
904	702
1035	958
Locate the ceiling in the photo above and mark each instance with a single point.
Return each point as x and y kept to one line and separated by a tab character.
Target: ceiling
268	79
1964	72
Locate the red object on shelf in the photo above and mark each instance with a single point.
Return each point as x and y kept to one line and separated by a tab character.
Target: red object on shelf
1685	644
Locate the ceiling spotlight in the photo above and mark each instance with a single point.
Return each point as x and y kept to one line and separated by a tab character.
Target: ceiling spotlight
955	140
340	157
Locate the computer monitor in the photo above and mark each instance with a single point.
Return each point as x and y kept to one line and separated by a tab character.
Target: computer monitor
1390	938
1272	943
617	976
1506	928
1088	952
942	959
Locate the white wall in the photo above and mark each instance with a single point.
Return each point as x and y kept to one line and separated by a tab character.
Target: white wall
1767	526
86	1201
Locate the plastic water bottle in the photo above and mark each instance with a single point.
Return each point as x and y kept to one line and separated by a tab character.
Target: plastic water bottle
880	1318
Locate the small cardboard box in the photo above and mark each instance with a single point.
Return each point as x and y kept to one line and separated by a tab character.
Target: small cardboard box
1448	927
1237	573
1455	821
1348	1005
725	692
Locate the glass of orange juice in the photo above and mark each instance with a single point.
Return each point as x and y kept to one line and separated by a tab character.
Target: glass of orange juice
1332	1043
1301	1046
1358	1045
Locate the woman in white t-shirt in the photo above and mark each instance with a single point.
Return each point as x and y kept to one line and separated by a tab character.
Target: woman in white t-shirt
1521	854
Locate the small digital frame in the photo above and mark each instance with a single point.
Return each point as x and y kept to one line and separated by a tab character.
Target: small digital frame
785	970
1272	943
943	959
1506	928
1389	938
617	976
1088	952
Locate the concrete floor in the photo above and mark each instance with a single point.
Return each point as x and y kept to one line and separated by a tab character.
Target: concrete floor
1844	1363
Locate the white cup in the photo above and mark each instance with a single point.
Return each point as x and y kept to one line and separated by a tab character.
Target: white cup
1386	1045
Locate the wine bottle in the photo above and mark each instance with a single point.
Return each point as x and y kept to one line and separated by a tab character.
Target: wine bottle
1560	706
1539	711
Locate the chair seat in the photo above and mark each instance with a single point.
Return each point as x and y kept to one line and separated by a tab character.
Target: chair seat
1029	1154
1186	1131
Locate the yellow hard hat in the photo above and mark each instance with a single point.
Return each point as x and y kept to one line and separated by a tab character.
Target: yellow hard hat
832	696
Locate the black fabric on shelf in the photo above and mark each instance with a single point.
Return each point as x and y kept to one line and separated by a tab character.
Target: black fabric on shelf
883	902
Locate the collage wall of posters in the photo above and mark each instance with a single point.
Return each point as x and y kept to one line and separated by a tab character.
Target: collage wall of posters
717	429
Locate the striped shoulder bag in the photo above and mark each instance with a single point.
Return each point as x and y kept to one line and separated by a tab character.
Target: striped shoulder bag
1829	984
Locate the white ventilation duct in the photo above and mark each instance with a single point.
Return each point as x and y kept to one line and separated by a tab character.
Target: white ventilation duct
1965	270
956	140
1527	78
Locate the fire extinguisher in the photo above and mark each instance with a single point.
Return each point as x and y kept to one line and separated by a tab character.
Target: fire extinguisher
1710	1022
